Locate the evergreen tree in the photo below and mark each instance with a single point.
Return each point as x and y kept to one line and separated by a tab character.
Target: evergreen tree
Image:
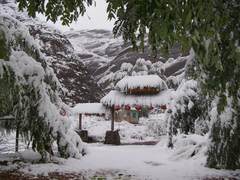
29	91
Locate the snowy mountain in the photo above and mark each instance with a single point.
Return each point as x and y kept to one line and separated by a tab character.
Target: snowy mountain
95	48
104	55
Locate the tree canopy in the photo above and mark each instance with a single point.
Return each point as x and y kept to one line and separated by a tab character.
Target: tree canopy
66	10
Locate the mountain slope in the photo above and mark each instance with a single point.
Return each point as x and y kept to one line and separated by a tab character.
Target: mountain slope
104	55
79	85
76	80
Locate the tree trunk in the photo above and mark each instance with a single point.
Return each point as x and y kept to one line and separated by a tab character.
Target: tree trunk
112	120
17	138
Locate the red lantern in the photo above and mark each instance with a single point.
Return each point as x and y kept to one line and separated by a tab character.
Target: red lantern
117	107
127	107
138	107
150	108
164	107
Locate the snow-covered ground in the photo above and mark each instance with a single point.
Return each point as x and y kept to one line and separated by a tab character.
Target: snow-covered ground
137	162
185	161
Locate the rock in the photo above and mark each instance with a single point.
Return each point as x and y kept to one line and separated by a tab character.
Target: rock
112	137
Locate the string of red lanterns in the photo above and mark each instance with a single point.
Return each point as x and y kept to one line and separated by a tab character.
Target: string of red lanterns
117	107
138	107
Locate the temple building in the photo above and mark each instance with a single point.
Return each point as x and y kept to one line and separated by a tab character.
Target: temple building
136	95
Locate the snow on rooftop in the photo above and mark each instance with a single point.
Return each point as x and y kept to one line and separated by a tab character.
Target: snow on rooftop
140	81
89	108
118	98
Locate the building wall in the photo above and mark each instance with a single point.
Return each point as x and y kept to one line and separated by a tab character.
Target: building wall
131	116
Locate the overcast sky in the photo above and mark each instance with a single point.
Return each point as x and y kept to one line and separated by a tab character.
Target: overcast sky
94	18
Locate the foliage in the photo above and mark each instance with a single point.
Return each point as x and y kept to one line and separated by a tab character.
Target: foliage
187	109
4	53
8	97
212	29
67	10
29	91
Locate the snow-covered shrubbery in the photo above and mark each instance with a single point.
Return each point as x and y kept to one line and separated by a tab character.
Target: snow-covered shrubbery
174	81
223	151
29	91
189	146
183	107
187	109
157	125
141	67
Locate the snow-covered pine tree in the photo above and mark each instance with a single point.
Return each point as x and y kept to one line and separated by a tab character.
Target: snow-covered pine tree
125	70
141	67
29	92
187	109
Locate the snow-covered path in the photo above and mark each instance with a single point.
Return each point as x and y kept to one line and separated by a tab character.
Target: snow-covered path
141	162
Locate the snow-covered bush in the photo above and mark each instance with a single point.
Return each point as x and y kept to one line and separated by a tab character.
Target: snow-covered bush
174	81
186	113
189	146
157	126
157	68
224	149
127	67
125	70
29	91
182	106
141	67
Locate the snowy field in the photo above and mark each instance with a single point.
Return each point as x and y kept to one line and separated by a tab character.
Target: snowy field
135	162
185	161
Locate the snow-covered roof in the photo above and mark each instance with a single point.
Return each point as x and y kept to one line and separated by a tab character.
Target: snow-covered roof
140	81
89	108
118	98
